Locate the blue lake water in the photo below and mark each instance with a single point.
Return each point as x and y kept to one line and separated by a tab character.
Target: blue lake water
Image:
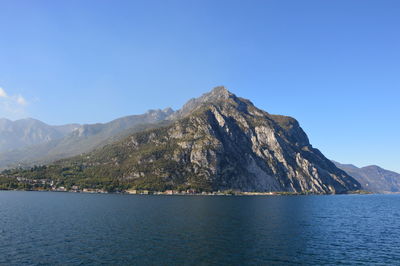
50	228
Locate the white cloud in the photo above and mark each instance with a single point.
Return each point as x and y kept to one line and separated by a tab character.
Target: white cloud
3	93
21	100
12	106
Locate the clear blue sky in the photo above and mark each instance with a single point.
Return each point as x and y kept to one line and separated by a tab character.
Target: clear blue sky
333	65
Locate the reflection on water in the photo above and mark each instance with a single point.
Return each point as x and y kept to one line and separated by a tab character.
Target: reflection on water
69	228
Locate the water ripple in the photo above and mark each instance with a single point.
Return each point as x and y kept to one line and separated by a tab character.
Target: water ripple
79	229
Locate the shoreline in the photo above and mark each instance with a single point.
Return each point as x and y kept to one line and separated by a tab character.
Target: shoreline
215	193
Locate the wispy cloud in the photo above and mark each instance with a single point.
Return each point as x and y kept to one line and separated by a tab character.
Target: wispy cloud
12	106
3	93
21	100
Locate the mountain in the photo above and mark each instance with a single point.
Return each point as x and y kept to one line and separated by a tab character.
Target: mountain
373	178
80	139
26	132
216	142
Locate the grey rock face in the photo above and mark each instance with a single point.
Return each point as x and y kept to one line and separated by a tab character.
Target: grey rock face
216	142
220	142
217	94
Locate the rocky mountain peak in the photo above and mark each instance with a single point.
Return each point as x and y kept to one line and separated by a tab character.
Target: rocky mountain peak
217	95
372	167
215	142
168	111
220	142
159	114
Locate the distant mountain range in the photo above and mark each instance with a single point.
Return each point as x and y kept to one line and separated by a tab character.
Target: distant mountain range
26	142
215	142
373	178
27	132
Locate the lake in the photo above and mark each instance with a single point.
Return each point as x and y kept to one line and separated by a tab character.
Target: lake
76	228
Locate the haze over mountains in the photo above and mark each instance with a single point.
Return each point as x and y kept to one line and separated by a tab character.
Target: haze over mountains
215	142
27	132
29	141
373	178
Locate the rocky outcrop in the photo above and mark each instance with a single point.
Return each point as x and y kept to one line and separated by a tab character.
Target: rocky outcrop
216	142
220	142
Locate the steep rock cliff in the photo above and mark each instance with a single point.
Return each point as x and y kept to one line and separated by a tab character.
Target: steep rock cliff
216	142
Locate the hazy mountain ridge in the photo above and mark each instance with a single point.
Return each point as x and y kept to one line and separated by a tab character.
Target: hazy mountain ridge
216	142
80	139
26	132
373	178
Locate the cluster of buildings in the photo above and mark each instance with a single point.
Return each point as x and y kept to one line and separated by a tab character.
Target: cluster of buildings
47	184
40	182
194	192
166	192
50	185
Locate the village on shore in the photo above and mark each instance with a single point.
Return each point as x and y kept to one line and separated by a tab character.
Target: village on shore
166	192
50	185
